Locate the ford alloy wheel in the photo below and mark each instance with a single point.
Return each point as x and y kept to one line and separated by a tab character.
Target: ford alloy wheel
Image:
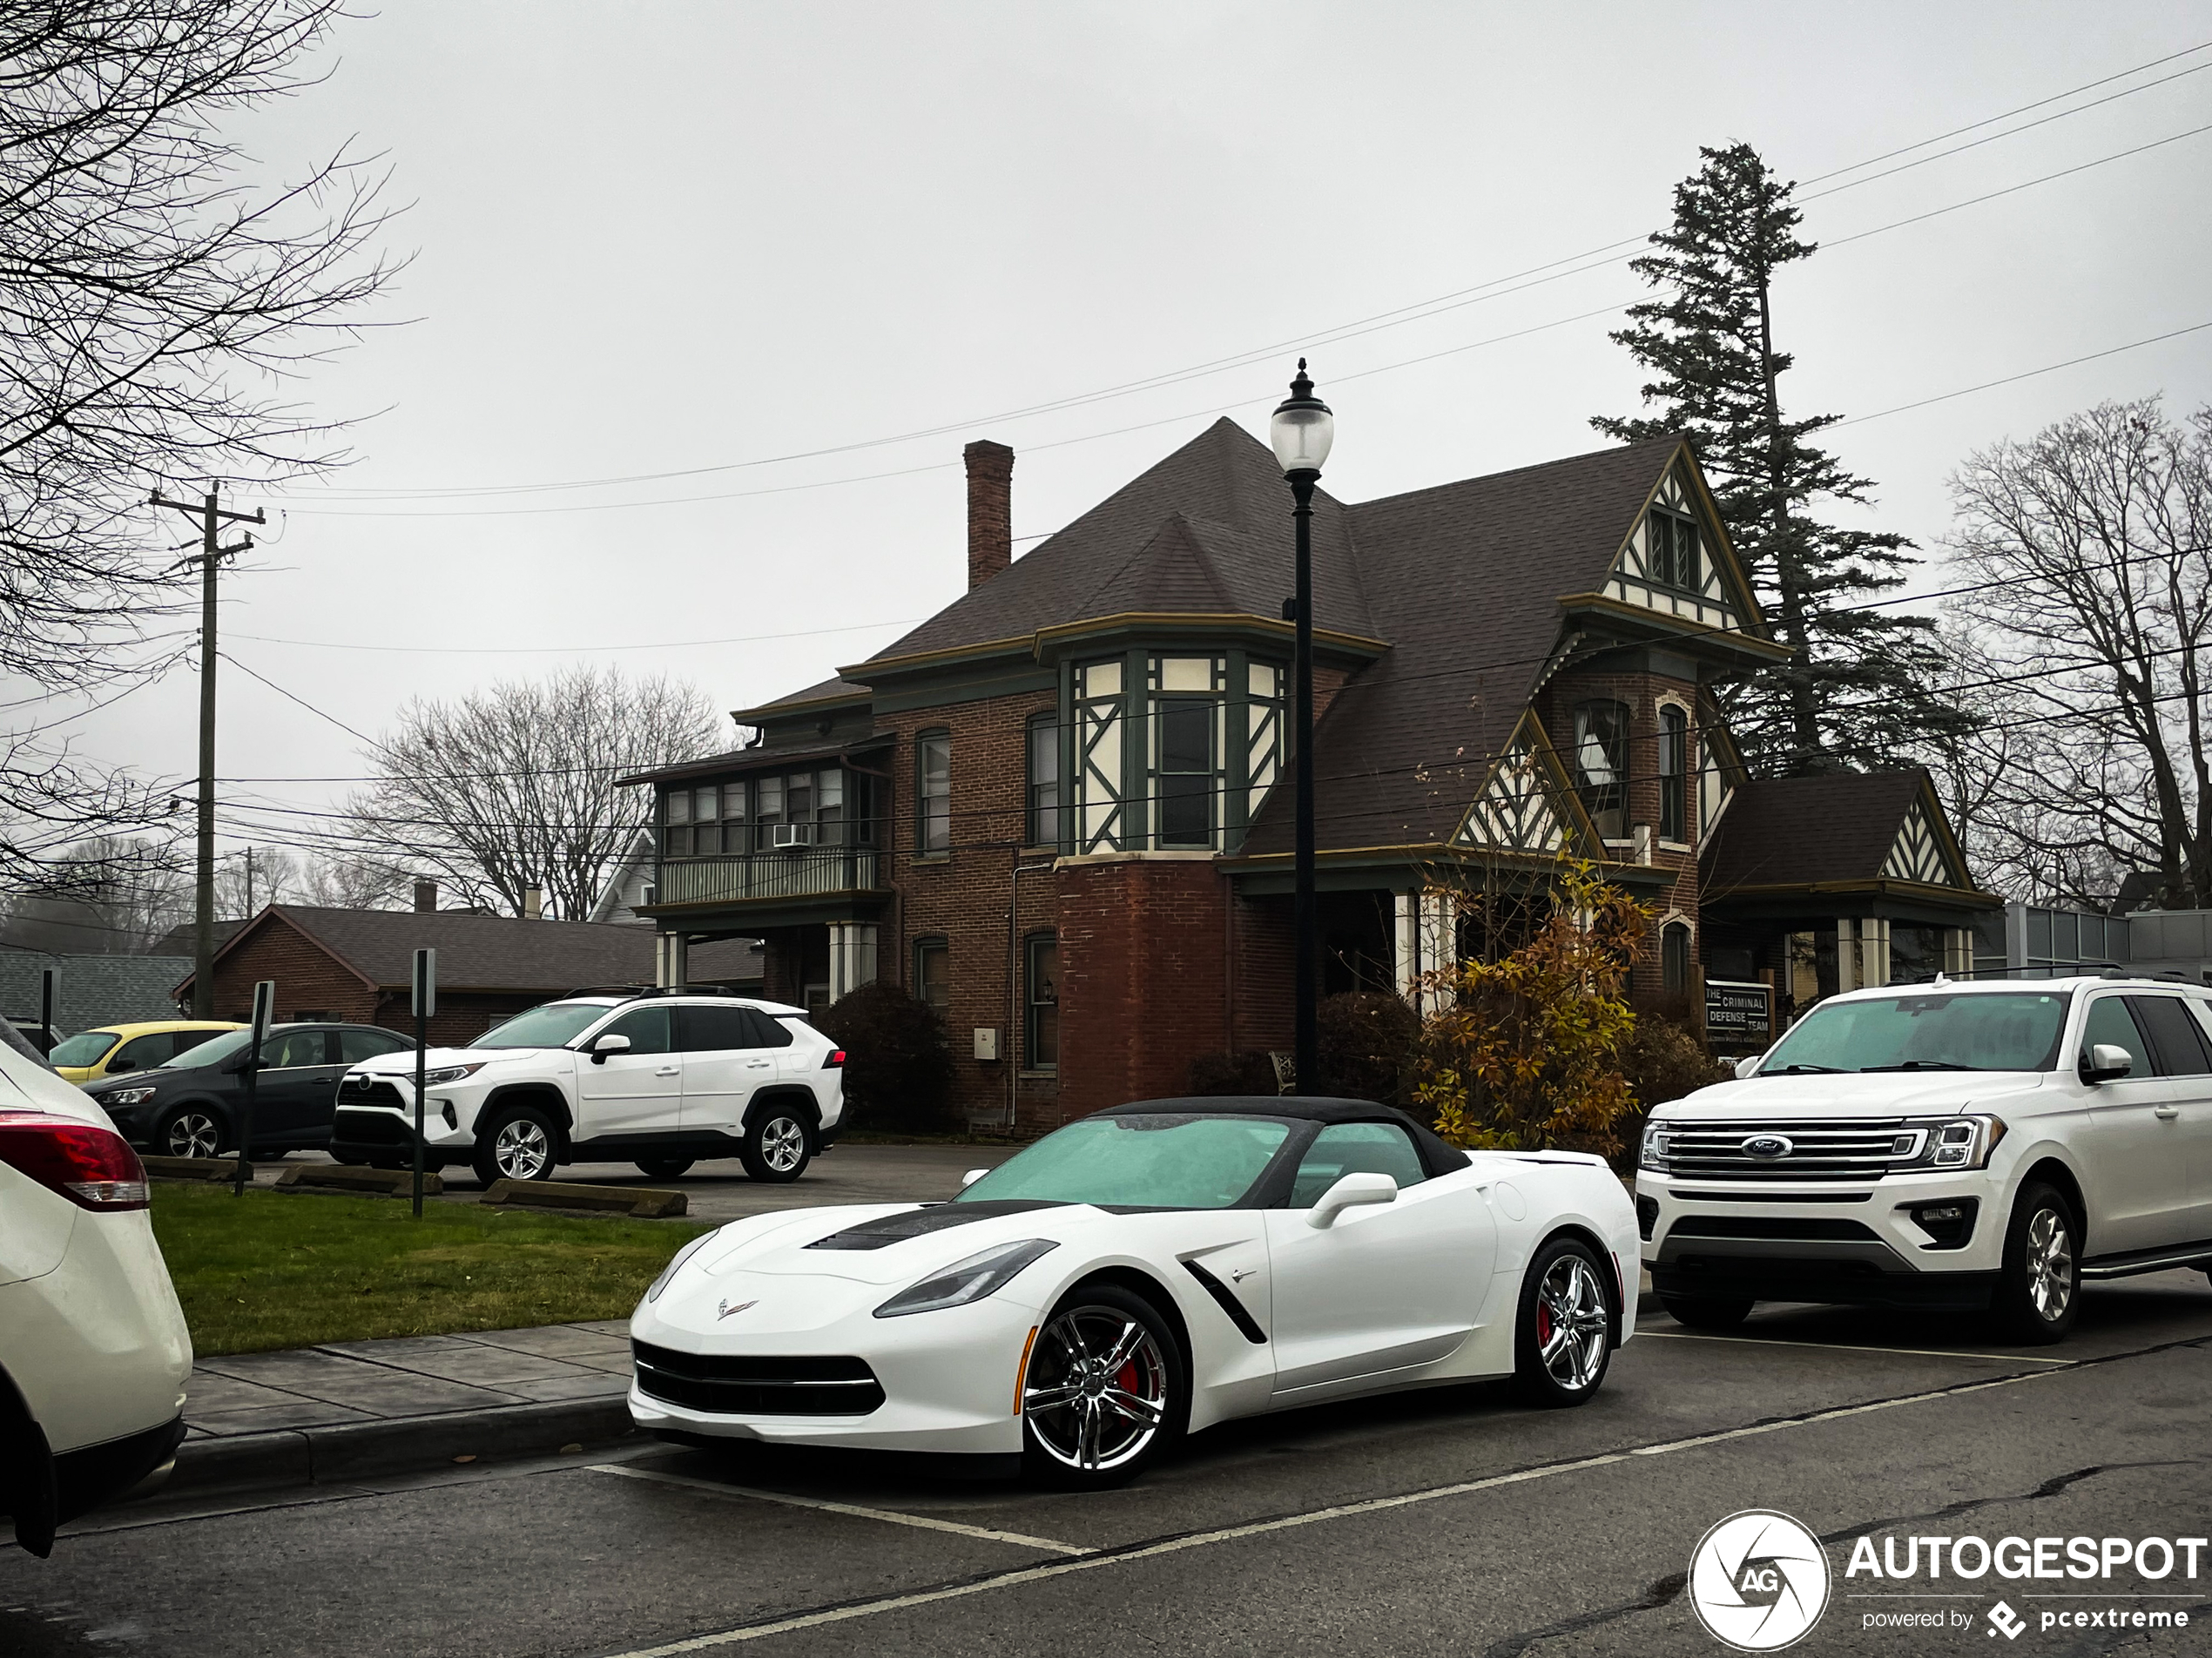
2050	1265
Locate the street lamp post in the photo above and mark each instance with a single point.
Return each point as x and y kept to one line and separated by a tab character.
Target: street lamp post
1301	432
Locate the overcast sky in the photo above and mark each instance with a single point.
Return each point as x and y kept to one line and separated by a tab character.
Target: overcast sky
695	237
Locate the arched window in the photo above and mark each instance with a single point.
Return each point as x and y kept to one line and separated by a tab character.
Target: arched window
1674	774
1674	956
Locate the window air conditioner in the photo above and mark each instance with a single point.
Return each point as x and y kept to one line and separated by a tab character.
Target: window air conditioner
793	834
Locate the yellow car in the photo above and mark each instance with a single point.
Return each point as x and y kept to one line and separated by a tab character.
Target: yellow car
110	1050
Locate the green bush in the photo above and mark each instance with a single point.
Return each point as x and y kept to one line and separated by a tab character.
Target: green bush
1663	1061
898	1065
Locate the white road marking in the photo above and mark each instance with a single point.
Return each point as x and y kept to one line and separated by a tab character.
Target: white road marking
1259	1529
1855	1347
922	1520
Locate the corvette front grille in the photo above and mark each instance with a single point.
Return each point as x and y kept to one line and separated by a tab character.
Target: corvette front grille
1851	1150
732	1384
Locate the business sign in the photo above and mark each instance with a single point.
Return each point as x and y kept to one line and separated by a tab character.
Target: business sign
1739	1012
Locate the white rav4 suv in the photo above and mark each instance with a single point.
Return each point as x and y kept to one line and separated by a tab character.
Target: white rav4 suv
659	1078
1956	1147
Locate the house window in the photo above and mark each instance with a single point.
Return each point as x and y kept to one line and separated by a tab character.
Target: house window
675	834
1043	827
715	815
933	976
1674	774
1674	956
1040	1033
1602	766
1672	559
1187	703
934	793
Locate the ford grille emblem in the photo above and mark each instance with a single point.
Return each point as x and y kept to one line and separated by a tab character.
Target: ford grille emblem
1768	1146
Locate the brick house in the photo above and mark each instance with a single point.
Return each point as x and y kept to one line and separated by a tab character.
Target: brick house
1053	809
358	965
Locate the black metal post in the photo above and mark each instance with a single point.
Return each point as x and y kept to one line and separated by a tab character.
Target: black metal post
1305	908
426	1003
46	1009
249	1080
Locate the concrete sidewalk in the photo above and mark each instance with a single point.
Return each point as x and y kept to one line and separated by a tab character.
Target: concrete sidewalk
365	1381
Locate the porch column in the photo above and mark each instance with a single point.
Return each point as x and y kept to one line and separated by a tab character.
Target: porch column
1958	953
671	955
852	957
1874	952
1426	929
1846	954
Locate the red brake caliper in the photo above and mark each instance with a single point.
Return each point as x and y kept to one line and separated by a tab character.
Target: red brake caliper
1543	1324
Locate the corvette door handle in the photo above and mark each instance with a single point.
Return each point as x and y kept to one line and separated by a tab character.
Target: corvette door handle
2166	1113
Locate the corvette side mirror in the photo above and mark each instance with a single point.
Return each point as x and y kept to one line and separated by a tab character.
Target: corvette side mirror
1747	1068
971	1177
1347	1193
612	1042
2107	1062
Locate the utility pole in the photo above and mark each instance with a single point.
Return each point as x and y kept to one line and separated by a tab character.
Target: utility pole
211	517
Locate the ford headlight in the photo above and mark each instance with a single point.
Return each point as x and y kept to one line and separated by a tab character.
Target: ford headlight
969	1280
1656	1138
676	1263
1955	1142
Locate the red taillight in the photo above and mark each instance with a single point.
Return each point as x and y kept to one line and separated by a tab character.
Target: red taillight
94	1168
835	1062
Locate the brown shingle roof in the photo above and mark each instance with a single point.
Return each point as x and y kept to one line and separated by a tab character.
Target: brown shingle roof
1794	830
494	952
1465	582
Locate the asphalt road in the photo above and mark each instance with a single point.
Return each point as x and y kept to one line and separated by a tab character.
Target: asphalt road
1451	1521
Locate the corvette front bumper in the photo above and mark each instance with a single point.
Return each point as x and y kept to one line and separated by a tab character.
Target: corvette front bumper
950	1379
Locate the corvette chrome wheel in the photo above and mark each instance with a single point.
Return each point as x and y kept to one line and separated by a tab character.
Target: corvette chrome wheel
522	1150
1572	1324
2050	1265
1096	1393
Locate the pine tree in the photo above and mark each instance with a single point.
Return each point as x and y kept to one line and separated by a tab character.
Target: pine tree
1858	692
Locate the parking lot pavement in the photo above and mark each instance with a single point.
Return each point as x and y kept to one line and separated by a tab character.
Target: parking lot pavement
1448	1521
722	1191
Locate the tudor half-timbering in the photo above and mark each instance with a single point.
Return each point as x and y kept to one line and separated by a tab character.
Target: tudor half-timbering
1054	809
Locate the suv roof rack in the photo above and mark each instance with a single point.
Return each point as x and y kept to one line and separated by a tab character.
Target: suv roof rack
641	993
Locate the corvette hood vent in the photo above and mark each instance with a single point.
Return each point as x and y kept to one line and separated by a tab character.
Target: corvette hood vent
887	1230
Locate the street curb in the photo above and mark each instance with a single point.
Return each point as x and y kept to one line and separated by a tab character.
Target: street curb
365	1182
351	1452
639	1203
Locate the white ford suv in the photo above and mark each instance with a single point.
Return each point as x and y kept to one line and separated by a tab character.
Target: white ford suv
1956	1147
658	1078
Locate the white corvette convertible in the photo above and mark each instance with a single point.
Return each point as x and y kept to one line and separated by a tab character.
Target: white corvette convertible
1140	1274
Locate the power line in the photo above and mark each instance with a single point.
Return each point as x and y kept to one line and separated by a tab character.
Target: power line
579	650
1417	311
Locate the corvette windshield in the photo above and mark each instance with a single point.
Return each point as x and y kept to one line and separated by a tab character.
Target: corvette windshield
1925	1031
555	1025
1161	1161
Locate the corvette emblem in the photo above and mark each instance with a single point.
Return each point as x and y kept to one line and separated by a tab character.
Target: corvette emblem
1768	1146
724	1310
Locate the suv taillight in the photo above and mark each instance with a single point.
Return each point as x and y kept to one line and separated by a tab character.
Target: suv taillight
93	1167
835	1062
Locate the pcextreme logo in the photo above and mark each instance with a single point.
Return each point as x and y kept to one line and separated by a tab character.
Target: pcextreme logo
1758	1580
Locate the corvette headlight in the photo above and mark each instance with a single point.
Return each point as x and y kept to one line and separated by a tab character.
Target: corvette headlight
969	1280
127	1096
1955	1142
675	1263
452	1073
1656	1136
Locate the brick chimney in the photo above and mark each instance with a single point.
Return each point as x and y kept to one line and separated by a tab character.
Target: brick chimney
990	511
426	896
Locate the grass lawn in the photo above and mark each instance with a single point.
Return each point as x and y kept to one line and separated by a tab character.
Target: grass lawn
274	1270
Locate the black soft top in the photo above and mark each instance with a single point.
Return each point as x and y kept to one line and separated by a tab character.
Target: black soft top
1437	1158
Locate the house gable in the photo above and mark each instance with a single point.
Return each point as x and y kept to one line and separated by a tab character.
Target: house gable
1527	805
1925	853
1677	562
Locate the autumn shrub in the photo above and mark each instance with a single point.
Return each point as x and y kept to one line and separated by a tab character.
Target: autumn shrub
1525	1053
898	1065
1663	1061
